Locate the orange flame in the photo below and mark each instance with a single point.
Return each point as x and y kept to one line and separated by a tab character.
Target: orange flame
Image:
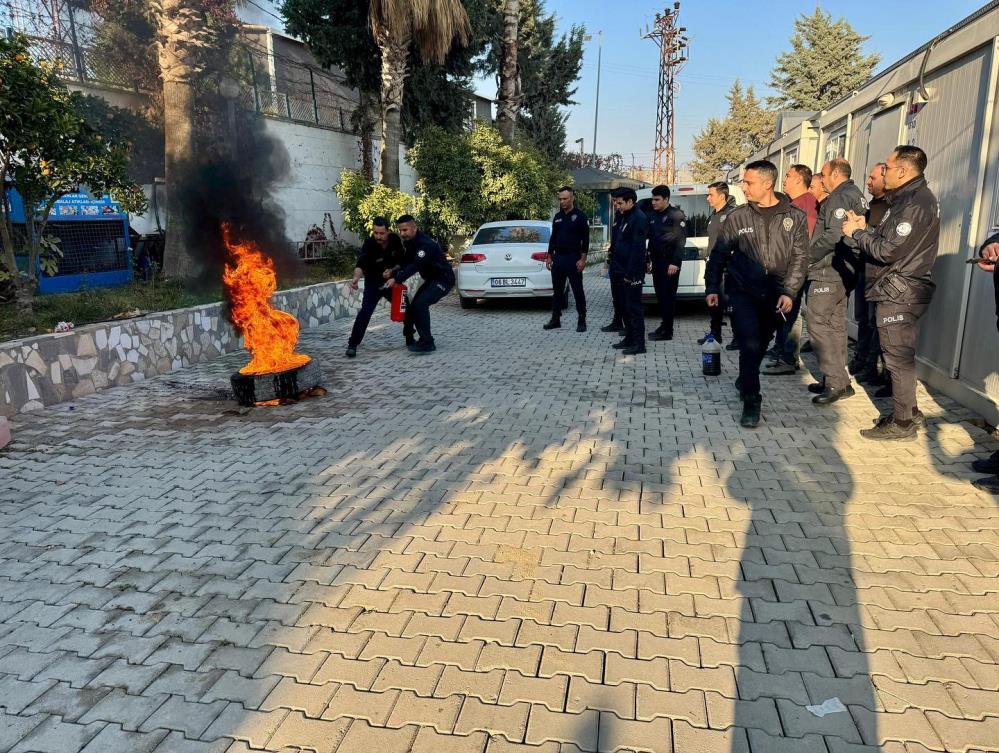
269	334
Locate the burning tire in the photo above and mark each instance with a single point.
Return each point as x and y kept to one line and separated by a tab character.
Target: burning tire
253	389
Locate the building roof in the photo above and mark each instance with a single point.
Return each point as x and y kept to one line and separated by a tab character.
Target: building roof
600	180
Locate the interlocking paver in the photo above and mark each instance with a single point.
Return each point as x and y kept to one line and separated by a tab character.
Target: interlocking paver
529	566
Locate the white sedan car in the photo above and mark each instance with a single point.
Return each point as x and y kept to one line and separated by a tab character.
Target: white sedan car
506	260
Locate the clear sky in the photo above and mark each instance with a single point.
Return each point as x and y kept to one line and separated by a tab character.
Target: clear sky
729	39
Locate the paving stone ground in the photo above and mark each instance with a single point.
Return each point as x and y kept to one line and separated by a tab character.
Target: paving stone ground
525	543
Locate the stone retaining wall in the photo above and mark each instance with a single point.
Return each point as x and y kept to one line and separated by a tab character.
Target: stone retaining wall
48	369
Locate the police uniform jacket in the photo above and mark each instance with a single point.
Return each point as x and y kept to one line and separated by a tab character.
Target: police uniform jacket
628	245
876	209
570	233
717	219
667	235
428	259
763	252
901	251
995	275
373	260
832	255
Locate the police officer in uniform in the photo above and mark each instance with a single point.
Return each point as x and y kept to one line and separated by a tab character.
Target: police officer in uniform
988	262
427	258
900	254
763	247
721	204
567	248
832	275
667	238
381	252
868	354
627	267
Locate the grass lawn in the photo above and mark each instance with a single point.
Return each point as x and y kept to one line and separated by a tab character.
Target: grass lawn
102	304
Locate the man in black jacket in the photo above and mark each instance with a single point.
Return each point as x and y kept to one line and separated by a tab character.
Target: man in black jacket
667	238
381	252
628	254
900	254
989	254
567	248
868	353
763	246
721	204
427	258
832	275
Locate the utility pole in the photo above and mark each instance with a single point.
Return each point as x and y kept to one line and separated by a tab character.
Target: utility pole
596	109
673	53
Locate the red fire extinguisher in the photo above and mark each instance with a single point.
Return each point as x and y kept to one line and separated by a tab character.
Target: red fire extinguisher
400	302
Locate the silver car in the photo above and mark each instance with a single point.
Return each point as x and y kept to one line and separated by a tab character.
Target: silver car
506	260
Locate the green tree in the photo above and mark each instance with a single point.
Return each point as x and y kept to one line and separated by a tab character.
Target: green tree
481	179
726	142
47	150
826	62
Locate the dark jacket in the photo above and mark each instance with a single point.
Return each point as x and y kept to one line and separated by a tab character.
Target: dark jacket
373	260
901	251
876	210
427	259
628	245
832	255
570	233
667	235
717	219
995	275
761	256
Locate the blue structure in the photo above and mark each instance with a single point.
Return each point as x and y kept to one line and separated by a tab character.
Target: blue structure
94	240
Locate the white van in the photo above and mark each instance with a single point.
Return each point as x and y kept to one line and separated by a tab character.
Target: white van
693	200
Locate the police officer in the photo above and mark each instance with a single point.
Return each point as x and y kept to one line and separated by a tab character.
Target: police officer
381	252
868	353
900	254
763	247
721	204
989	261
667	238
567	248
427	258
832	276
627	267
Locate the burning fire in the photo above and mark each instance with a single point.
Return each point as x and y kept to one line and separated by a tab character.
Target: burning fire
269	334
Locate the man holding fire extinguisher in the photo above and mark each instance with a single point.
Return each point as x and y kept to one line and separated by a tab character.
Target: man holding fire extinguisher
382	252
427	258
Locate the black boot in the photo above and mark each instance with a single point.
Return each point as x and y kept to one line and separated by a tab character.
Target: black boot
613	327
625	343
751	408
552	324
581	325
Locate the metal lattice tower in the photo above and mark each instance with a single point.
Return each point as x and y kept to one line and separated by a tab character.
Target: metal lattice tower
673	52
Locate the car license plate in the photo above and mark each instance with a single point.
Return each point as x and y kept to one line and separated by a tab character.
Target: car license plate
509	282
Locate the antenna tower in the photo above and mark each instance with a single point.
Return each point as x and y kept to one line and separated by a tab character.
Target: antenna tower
673	53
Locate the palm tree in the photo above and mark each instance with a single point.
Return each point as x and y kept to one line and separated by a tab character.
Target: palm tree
432	25
508	99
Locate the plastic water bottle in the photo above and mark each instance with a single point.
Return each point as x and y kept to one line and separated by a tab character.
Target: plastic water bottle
710	356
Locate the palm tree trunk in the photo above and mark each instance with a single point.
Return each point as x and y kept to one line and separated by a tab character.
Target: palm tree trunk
367	124
177	24
508	104
395	68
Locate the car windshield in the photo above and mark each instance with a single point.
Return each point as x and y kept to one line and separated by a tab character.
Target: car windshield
512	234
694	206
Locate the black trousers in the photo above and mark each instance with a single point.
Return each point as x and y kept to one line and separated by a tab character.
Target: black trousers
617	298
370	296
898	328
827	302
418	313
666	286
755	319
564	270
634	316
868	342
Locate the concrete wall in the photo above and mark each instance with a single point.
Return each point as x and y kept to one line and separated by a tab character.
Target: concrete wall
50	369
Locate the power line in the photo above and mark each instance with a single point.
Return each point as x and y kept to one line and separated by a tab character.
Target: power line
264	10
673	51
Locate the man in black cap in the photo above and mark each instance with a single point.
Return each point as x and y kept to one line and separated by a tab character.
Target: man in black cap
382	251
429	260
